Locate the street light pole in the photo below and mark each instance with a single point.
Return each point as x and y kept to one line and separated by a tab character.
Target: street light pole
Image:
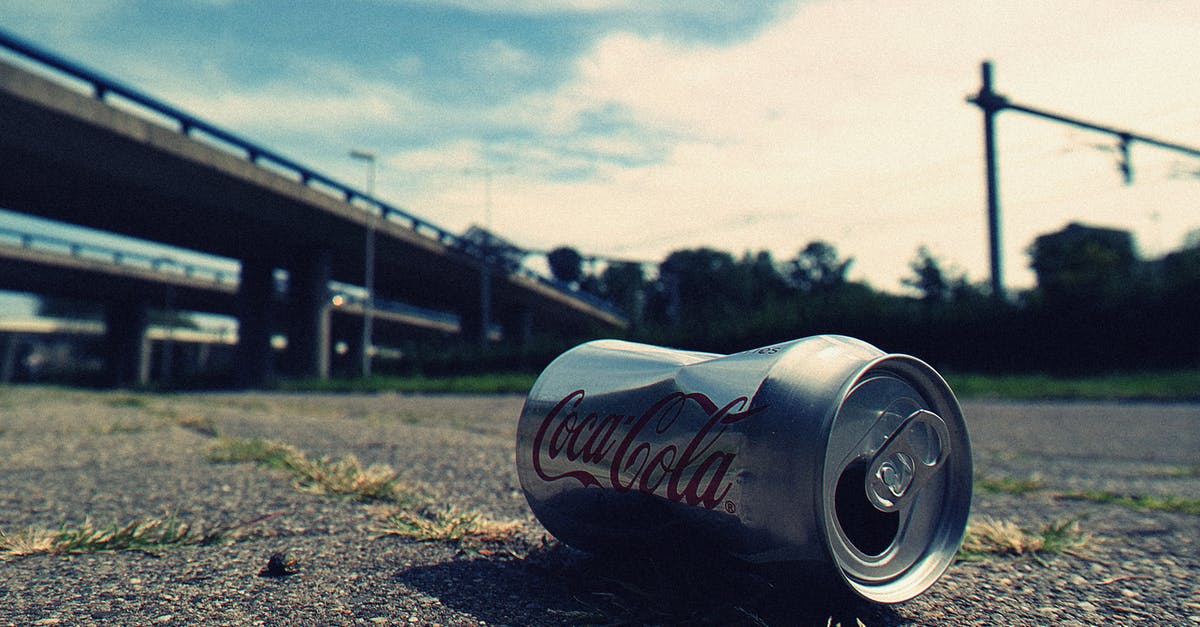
369	262
485	275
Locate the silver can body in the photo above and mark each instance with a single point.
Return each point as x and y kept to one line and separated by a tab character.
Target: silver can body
822	451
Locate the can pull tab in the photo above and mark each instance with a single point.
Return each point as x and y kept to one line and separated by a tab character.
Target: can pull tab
908	459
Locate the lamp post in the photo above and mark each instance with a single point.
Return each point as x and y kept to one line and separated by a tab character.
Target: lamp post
485	275
369	261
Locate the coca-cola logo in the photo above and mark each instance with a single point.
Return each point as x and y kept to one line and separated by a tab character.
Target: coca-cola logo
643	451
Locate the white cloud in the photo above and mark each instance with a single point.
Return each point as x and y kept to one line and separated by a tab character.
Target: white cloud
849	117
501	57
843	120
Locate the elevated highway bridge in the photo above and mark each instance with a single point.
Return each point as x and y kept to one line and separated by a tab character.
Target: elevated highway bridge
84	149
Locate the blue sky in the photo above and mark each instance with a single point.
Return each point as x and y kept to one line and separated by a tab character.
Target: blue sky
632	128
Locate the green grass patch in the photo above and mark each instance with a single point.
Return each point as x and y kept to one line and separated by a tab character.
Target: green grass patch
497	383
142	534
1170	503
988	537
1157	386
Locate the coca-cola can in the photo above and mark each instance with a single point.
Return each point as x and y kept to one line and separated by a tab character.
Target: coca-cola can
824	453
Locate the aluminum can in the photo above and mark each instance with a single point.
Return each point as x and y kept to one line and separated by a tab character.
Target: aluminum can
823	453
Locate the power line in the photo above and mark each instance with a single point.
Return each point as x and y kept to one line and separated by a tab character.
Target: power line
991	103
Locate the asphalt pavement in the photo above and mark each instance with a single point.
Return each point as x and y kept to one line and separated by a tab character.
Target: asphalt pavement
67	456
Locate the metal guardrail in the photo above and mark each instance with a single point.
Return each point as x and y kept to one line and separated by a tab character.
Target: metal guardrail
102	86
343	297
117	257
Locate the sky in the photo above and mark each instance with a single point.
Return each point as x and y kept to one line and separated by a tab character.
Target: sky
628	129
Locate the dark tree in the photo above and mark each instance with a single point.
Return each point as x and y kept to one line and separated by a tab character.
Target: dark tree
928	278
1083	266
817	269
700	286
765	281
566	264
624	284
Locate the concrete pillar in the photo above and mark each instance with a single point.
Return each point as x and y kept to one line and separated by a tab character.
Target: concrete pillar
476	316
308	315
518	327
8	357
471	326
256	296
126	353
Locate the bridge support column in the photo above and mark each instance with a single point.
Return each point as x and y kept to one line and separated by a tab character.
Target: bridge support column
256	296
471	327
308	316
476	318
518	327
126	348
8	357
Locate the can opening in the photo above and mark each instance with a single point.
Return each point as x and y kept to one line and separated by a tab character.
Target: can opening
867	529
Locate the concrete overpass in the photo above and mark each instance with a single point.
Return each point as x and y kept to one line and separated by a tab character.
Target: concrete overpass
119	278
87	150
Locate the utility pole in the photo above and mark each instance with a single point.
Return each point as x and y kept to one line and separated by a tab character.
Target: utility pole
368	263
992	103
485	265
485	274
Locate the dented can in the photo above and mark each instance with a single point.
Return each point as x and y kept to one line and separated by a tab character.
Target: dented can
824	453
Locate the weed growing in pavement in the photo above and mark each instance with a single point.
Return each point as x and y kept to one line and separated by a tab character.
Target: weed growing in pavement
416	516
326	475
202	425
1009	485
344	477
1179	472
119	427
126	400
1170	503
142	534
257	450
469	530
988	536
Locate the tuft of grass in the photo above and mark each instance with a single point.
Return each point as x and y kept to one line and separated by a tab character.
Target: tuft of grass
1174	472
142	534
988	536
257	450
469	530
203	425
1009	485
325	475
416	515
1170	503
126	400
343	477
119	427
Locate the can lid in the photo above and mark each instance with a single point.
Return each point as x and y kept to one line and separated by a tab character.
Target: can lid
897	479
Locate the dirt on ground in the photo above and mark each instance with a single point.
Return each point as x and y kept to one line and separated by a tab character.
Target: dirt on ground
1120	481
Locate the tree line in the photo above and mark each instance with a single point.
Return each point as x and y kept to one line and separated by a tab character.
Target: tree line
1096	306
